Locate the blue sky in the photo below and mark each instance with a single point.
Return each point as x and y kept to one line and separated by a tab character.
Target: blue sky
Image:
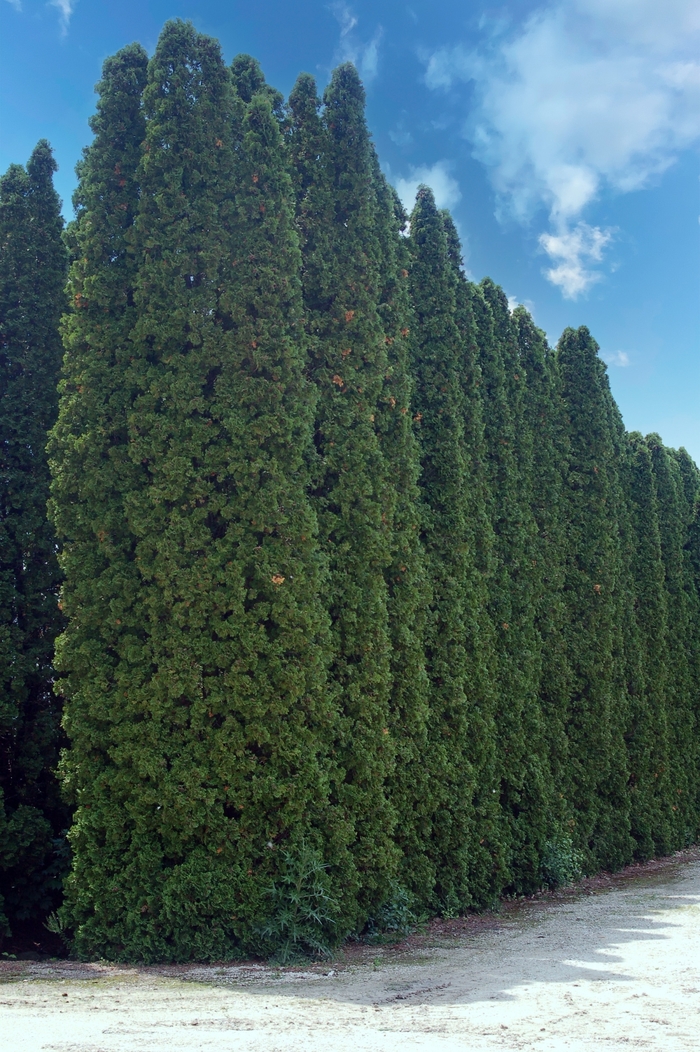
564	136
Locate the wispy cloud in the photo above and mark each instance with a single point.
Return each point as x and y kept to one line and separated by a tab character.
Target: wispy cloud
17	4
573	250
619	358
65	11
364	55
437	176
586	94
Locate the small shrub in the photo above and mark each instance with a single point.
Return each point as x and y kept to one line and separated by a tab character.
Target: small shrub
561	862
394	920
302	920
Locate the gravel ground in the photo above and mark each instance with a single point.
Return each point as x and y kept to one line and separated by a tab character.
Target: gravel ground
613	963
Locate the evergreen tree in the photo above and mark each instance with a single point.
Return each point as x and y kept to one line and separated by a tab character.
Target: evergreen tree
448	537
475	324
648	731
525	779
408	584
543	426
354	495
248	80
690	479
592	588
32	276
675	517
196	652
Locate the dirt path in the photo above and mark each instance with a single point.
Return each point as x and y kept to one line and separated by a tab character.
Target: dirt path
612	964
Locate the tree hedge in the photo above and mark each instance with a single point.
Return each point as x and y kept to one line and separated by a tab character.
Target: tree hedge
371	608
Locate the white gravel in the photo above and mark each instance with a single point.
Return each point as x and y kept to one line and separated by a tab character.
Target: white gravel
612	968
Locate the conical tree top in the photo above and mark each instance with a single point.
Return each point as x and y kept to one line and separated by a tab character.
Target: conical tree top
41	165
303	98
249	80
344	99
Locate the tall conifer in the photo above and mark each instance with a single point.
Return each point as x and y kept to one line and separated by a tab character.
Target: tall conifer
520	726
407	578
648	730
448	537
675	515
196	658
592	588
543	424
354	496
475	324
32	276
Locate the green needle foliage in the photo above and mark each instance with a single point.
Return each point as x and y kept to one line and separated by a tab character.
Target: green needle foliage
448	536
648	731
593	587
198	728
545	432
354	495
523	753
676	509
32	276
407	579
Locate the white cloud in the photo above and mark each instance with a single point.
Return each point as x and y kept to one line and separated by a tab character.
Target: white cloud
365	56
585	94
65	10
572	250
444	186
17	4
619	358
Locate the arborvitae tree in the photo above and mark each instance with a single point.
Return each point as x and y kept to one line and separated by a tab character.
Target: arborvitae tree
409	786
592	588
690	505
196	652
452	628
525	777
32	276
354	495
675	514
648	731
543	419
475	324
249	80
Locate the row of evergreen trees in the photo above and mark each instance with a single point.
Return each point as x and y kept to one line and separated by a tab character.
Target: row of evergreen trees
368	598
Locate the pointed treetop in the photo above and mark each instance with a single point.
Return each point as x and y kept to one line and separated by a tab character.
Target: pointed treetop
186	70
454	246
249	80
303	98
122	74
344	98
42	164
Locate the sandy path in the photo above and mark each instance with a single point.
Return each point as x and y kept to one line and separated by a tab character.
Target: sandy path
616	967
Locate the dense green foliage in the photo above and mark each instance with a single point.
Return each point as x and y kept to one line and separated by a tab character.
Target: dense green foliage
373	608
32	277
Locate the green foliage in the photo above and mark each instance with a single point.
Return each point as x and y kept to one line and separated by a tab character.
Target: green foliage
593	590
32	274
354	495
525	780
451	633
303	908
647	735
196	656
395	919
562	864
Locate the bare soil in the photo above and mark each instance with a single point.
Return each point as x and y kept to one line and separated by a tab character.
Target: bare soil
611	963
